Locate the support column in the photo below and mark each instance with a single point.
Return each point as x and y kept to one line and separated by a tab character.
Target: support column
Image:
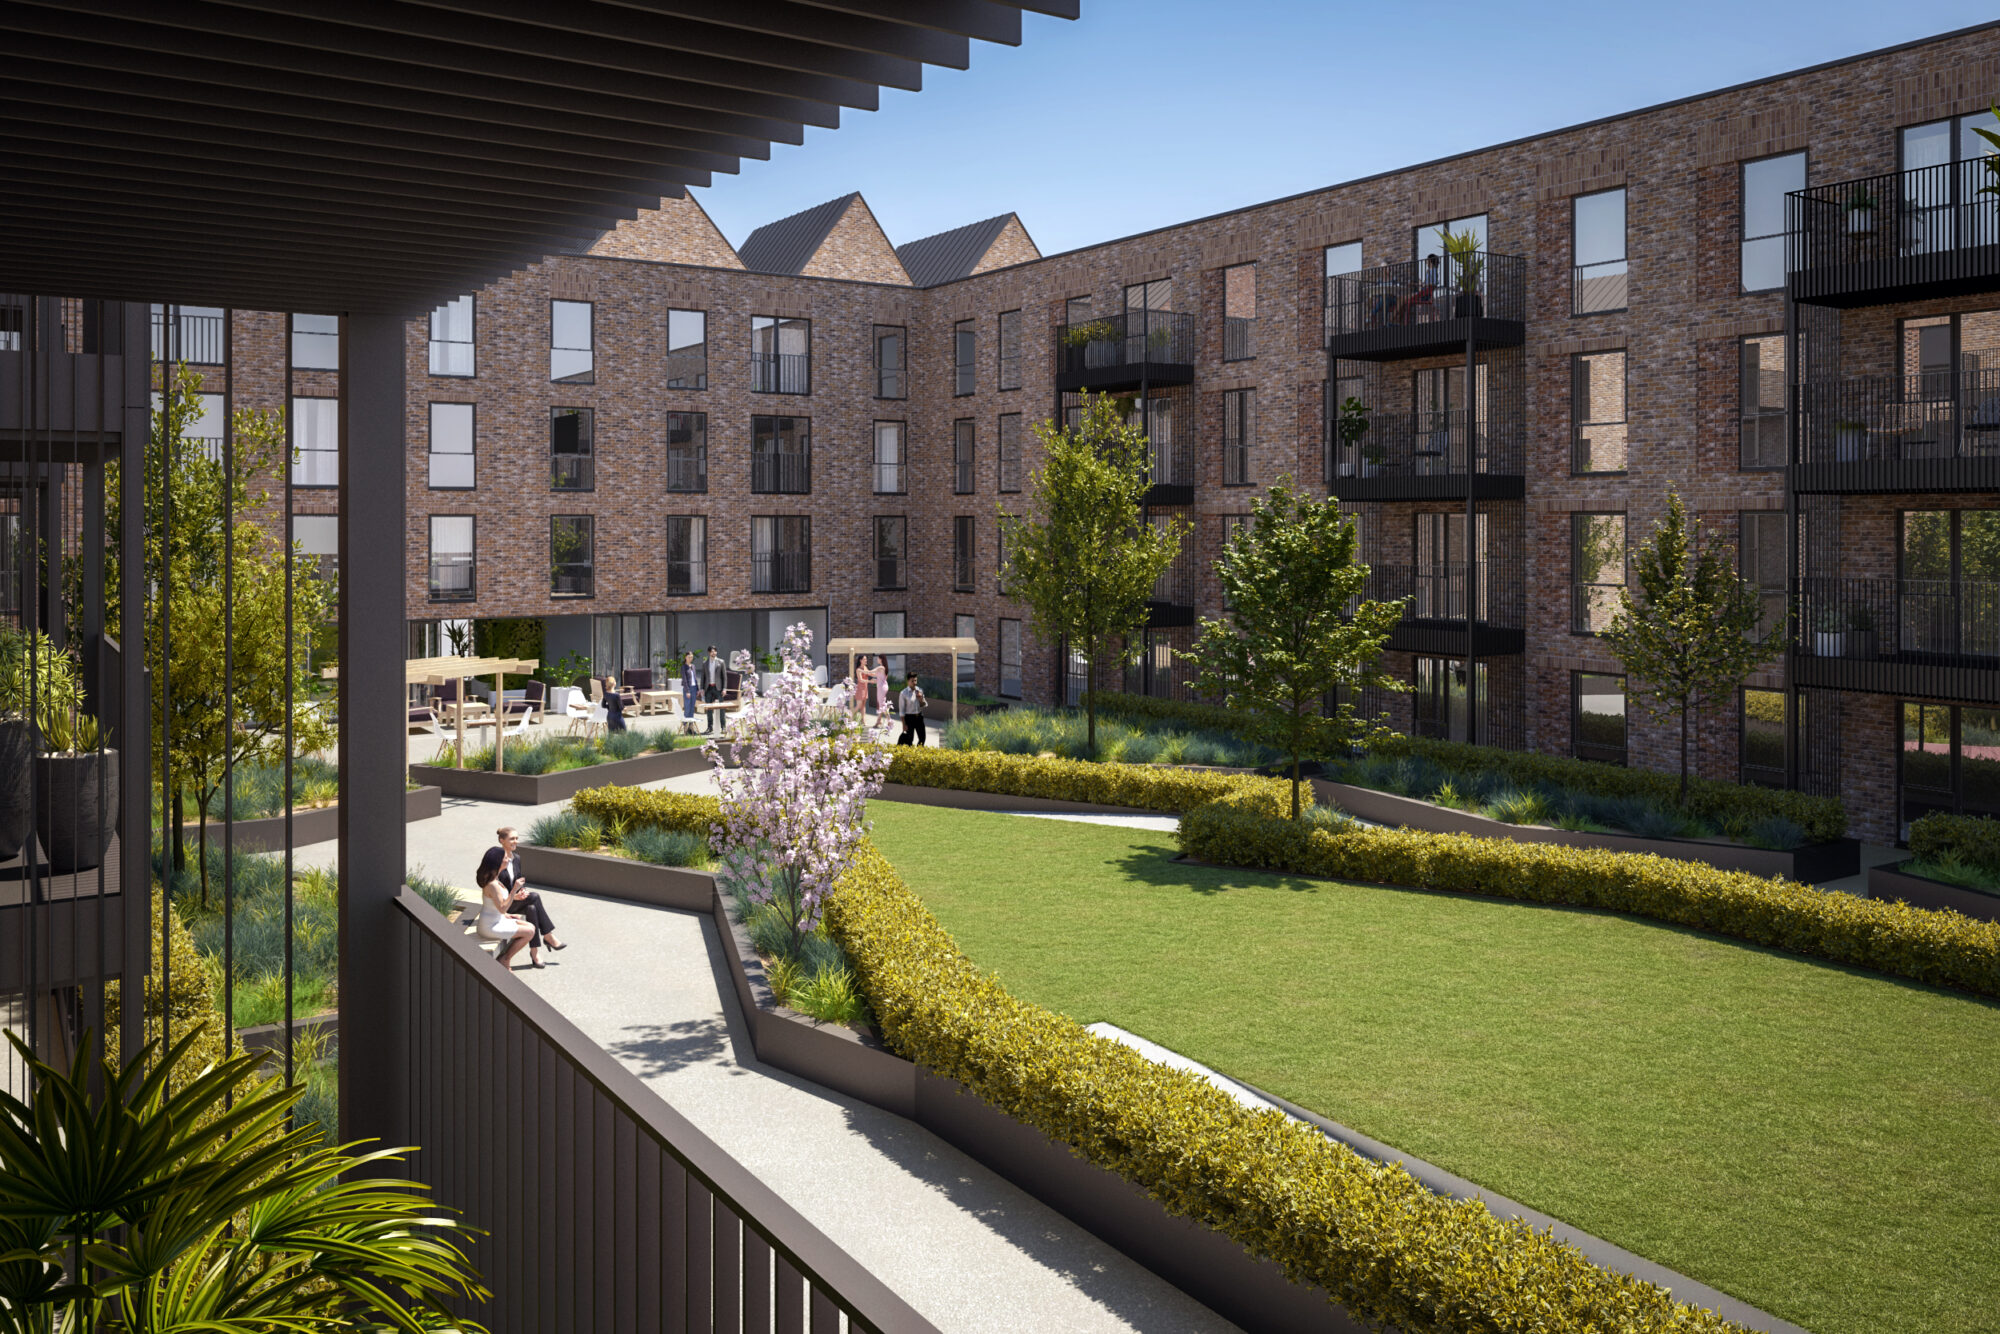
373	749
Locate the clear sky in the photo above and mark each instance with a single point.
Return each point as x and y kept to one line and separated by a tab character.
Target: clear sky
1149	112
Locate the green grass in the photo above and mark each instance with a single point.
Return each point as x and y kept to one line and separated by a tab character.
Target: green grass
1821	1142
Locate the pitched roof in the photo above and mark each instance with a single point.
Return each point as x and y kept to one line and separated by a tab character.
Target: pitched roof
950	255
788	245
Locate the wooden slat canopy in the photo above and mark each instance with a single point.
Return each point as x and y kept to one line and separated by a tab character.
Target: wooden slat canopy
855	648
437	671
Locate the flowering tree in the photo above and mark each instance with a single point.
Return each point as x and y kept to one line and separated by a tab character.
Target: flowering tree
792	810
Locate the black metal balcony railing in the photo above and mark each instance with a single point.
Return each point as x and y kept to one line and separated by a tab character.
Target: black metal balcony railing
687	367
1434	613
1897	618
572	579
1408	308
889	572
198	340
781	472
781	572
1170	463
1239	337
1399	448
961	473
452	578
1925	231
687	577
572	472
780	372
1596	289
687	472
1120	350
1901	432
1434	592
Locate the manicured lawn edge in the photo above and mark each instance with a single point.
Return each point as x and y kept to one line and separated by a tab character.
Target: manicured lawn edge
1129	787
1893	883
541	789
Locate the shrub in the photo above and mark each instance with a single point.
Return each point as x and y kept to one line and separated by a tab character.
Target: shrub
1971	839
629	745
1777	832
666	847
1518	807
1118	704
1034	731
637	808
1375	1239
564	829
1107	784
434	892
1942	948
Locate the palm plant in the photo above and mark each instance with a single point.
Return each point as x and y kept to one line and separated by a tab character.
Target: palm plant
169	1203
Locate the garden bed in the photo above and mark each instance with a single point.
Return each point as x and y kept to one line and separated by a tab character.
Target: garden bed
1895	882
319	824
542	789
997	801
1815	863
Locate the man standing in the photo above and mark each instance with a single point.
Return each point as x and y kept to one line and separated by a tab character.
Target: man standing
910	704
714	678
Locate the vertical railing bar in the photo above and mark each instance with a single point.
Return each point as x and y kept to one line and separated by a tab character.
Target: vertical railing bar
790	1305
725	1282
756	1286
646	1169
291	643
626	1259
825	1315
603	1142
674	1244
700	1206
228	691
170	834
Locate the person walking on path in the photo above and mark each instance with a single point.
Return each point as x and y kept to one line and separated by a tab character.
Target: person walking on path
714	680
910	705
614	705
510	912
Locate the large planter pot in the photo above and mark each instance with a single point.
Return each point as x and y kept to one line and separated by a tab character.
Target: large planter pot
1861	222
1860	644
1468	306
1829	644
76	808
17	812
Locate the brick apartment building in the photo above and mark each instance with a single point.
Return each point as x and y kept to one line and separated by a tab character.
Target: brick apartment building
663	441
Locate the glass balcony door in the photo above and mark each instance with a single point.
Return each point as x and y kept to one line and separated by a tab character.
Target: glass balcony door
1949	761
1948	595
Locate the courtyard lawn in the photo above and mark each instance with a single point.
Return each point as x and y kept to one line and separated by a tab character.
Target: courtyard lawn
1821	1142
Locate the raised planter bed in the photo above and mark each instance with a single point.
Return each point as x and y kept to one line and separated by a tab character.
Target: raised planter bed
618	878
271	1037
542	789
960	799
321	824
1893	882
1815	863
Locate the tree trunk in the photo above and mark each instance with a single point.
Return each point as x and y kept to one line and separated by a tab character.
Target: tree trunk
179	859
1295	785
203	845
1684	754
1090	704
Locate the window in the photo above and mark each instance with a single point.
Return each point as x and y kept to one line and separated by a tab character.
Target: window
961	456
1760	560
1344	258
889	461
318	539
894	625
1597	412
891	344
962	541
962	627
453	351
197	334
1008	432
316	342
891	534
572	351
570	462
1239	312
687	451
1942	205
452	564
1239	435
1766	182
1442	706
687	554
1597	717
1430	240
1010	658
451	447
1009	343
1761	392
781	553
964	354
1443	558
1946	596
781	455
572	555
1597	245
780	355
1762	757
315	440
1597	570
687	349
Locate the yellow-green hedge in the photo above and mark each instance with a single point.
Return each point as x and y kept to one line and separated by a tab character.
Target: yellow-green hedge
1972	839
1373	1237
1943	948
636	808
1145	786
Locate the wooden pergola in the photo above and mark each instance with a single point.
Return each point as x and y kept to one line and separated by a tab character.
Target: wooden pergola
458	670
854	648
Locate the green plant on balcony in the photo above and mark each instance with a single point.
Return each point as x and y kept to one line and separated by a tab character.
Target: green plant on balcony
1468	264
1096	331
1991	159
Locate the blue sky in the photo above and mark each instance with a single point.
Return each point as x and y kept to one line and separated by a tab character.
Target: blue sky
1150	112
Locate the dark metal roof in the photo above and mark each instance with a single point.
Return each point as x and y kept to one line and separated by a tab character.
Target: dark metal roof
788	245
384	155
949	256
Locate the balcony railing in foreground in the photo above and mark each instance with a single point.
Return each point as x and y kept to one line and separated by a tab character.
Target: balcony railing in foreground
1090	350
1419	451
1891	431
781	572
1924	636
1929	229
1401	302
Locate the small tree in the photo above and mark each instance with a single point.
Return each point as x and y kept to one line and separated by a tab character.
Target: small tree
1694	632
1289	579
1084	559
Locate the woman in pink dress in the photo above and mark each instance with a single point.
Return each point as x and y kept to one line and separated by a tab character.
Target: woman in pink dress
881	687
861	675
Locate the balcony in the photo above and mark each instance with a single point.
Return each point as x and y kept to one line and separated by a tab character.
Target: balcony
1932	637
1425	456
1151	347
572	472
452	579
781	472
198	338
1424	309
1937	431
781	572
781	372
1239	337
1900	236
1171	603
572	579
1434	617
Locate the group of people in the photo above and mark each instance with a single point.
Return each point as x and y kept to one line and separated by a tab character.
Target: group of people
509	911
910	700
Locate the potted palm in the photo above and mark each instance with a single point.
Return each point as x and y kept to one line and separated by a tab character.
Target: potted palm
34	674
76	805
1860	631
1467	269
1349	426
1860	212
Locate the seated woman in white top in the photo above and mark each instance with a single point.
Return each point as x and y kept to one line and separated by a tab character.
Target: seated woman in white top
502	889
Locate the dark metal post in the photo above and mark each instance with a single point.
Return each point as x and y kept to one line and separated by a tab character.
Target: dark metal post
1471	541
1794	602
373	745
135	696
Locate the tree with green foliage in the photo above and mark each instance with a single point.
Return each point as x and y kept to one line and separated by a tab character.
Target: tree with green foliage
1693	632
1084	559
1294	634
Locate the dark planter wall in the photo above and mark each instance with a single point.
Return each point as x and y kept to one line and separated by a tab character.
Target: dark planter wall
1895	883
540	789
318	825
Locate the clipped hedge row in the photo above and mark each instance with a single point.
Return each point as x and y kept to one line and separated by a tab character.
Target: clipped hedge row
637	808
1942	948
1149	708
1373	1237
1971	839
1148	787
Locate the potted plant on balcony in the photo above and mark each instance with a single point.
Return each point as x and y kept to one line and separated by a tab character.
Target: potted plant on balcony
76	804
1860	638
1349	426
1848	438
1860	212
1467	268
1829	639
33	674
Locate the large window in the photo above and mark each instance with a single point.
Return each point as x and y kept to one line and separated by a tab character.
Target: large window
196	334
964	358
1950	761
1762	757
1009	343
687	554
891	361
1597	717
964	627
781	553
318	538
572	555
1010	658
1597	570
687	451
1239	312
1597	412
316	438
781	455
687	349
1760	556
890	464
1239	435
1427	241
1760	392
1339	259
1008	450
961	456
894	625
452	565
1948	596
571	464
451	447
780	355
1597	240
572	342
452	350
1942	205
316	342
891	551
1448	704
1766	182
963	542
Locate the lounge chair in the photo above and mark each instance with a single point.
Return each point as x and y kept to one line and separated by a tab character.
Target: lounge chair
534	696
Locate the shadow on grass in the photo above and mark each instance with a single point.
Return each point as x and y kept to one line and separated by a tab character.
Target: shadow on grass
1153	865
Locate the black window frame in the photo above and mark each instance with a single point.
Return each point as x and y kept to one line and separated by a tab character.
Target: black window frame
588	528
1578	599
1007	346
1020	654
1576	278
901	371
1239	435
777	379
585	468
901	466
1239	332
964	553
900	560
471	593
964	456
294	333
769	478
698	465
1579	748
1743	239
766	566
1748	773
1766	419
1007	462
696	563
301	470
582	377
1750	549
1578	389
433	342
680	383
964	358
430	444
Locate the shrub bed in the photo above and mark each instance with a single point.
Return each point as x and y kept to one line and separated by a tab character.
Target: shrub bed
1968	841
635	807
1065	732
1942	948
1141	786
643	842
